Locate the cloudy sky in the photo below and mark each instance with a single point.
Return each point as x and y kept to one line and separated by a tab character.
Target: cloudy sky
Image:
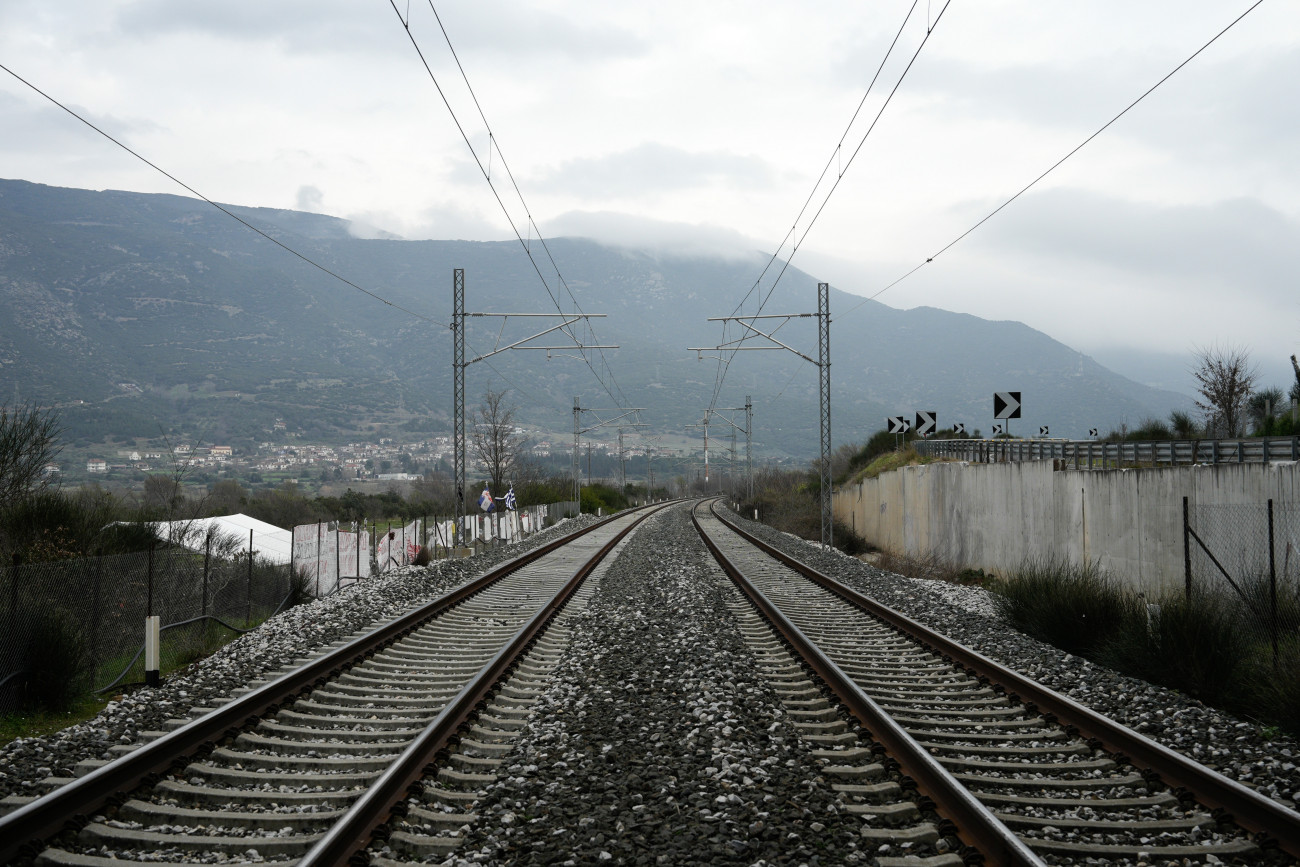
705	127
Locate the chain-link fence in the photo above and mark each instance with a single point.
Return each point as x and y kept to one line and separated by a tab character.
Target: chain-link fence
1248	556
70	625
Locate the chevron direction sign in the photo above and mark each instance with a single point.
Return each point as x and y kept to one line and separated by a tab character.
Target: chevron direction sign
1092	431
897	424
1006	404
926	422
1042	431
960	429
998	428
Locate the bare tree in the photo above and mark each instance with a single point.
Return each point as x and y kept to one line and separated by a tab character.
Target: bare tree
498	443
28	442
1225	378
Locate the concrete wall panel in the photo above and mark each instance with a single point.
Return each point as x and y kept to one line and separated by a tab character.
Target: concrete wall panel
997	516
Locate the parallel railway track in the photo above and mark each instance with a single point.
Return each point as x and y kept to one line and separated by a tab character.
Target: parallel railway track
1068	782
334	743
379	750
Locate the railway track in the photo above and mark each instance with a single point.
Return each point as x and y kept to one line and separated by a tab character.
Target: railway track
1072	786
616	697
307	765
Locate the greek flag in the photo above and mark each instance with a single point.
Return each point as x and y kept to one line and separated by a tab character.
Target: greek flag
510	498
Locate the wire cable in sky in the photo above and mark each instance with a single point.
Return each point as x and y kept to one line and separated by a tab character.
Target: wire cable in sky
222	208
1056	164
531	224
725	364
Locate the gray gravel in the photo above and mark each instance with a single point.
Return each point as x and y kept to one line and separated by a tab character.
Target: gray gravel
667	747
1236	748
279	641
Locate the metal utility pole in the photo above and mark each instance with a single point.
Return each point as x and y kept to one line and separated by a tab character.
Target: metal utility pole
622	464
579	430
577	479
824	369
823	362
748	409
459	364
704	424
458	391
749	449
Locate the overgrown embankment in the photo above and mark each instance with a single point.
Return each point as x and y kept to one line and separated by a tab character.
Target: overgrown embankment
1234	652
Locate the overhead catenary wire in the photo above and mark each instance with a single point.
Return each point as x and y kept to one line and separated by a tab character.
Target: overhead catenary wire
1027	187
531	225
222	208
724	364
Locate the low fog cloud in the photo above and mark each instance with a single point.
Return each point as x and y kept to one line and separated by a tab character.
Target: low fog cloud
686	240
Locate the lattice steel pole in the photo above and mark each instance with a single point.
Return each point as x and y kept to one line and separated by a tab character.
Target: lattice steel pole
824	369
622	464
458	393
749	447
577	479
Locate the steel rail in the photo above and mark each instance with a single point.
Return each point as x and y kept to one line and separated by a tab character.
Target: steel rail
354	830
24	832
975	823
1244	806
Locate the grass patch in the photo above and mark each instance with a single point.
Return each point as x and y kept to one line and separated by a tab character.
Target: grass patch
1209	645
37	723
1077	609
932	567
906	457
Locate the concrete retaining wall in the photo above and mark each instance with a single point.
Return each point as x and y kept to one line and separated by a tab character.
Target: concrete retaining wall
995	516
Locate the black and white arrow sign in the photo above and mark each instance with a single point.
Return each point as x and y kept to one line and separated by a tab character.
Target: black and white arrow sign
997	429
1042	431
897	424
926	422
960	429
1006	404
1092	431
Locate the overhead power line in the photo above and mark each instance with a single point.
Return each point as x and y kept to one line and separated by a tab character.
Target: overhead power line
796	239
485	170
1056	164
222	208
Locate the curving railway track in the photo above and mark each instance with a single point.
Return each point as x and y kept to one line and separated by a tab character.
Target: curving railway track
623	695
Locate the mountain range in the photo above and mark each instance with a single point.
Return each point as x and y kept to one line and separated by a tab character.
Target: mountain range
137	314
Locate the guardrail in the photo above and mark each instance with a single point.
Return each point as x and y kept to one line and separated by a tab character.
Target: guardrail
1104	455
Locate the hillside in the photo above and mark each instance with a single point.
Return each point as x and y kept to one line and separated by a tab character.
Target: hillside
144	313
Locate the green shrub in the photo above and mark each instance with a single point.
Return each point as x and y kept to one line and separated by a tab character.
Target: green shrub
1075	608
1196	645
56	666
1276	688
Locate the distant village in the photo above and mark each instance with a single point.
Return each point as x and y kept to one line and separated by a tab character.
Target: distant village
385	460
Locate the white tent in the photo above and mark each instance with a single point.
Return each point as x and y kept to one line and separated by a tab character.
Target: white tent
269	541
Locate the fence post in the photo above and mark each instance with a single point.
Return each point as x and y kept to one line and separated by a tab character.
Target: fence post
97	619
248	596
1187	553
318	534
13	587
148	608
1272	583
152	631
207	556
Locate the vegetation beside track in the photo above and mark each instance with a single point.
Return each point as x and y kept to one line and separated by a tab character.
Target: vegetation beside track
1211	646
